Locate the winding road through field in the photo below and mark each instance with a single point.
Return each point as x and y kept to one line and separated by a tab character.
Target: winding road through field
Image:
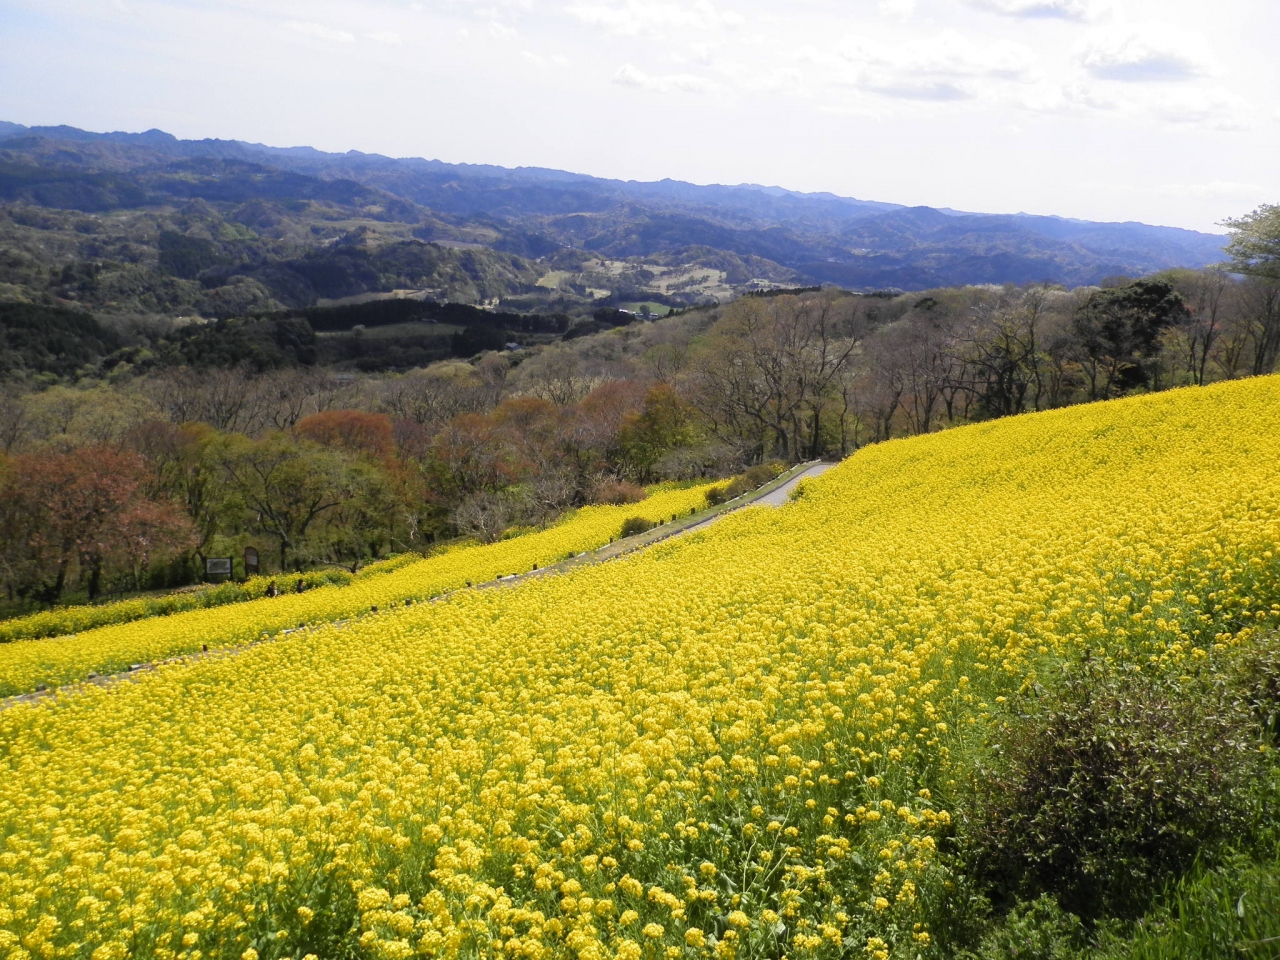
776	498
771	498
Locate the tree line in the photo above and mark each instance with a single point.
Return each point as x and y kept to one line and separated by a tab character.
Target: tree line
118	499
798	377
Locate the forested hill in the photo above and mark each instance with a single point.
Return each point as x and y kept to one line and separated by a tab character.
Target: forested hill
538	213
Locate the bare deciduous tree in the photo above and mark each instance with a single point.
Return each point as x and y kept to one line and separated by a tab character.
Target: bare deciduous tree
227	399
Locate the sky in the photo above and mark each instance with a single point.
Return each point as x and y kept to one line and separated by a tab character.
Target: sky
1161	111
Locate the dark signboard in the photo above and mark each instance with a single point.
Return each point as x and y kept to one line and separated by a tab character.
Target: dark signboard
217	567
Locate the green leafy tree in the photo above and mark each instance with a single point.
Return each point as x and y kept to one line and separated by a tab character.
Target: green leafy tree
1118	330
662	424
286	485
186	461
1254	250
363	521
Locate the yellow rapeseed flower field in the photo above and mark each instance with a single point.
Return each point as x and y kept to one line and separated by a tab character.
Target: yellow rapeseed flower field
110	649
741	743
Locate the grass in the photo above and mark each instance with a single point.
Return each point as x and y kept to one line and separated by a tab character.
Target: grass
1230	912
656	309
553	279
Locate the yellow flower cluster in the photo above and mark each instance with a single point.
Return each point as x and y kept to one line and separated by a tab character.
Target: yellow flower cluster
110	649
740	743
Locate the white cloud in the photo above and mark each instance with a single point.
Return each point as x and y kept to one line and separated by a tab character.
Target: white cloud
1069	98
900	9
945	54
697	52
1213	189
320	31
1183	105
630	75
1136	59
1214	109
762	79
654	18
1046	9
946	66
386	36
937	90
556	60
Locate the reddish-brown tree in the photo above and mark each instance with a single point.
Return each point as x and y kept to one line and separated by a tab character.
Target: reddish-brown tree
353	431
589	434
86	510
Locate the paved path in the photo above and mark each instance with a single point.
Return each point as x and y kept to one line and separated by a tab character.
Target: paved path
774	498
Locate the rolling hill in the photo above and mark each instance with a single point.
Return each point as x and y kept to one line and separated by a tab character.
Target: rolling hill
565	217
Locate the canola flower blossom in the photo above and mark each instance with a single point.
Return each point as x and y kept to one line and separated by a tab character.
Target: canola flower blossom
742	743
110	649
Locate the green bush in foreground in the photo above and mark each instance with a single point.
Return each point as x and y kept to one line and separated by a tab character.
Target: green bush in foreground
1039	929
1113	786
1127	812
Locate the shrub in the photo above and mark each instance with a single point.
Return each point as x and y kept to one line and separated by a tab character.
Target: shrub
1113	785
1255	671
754	478
718	495
633	525
762	473
617	492
512	533
1040	929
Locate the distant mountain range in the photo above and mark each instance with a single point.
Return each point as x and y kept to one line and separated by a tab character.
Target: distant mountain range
577	223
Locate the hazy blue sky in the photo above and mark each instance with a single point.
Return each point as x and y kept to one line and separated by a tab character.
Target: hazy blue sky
1158	110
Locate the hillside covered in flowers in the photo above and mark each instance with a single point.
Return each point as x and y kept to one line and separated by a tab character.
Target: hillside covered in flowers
782	735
